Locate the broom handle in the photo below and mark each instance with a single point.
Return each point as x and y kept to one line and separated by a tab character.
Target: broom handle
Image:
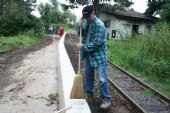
79	51
64	109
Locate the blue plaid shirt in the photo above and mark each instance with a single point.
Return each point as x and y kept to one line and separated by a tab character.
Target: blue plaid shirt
95	48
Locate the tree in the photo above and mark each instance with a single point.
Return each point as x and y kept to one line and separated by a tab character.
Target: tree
2	5
55	5
25	6
154	7
159	7
49	12
68	17
98	4
165	14
15	16
41	9
55	11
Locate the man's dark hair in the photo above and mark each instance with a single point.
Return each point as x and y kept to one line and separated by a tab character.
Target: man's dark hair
87	10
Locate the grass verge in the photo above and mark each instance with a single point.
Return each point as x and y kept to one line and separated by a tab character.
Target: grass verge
9	43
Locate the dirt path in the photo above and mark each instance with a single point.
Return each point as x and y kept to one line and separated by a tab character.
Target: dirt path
27	78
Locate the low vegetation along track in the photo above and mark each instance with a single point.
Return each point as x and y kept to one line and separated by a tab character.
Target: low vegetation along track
143	97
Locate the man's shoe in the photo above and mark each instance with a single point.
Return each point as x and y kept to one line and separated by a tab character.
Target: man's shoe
105	105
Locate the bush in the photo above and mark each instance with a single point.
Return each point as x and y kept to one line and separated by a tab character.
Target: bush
157	46
11	24
14	23
161	70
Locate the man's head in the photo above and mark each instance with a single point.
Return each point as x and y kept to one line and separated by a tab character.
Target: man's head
88	12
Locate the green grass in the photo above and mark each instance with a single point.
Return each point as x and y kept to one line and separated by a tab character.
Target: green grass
9	43
119	52
146	56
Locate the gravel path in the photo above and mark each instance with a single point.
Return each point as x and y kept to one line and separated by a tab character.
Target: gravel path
30	82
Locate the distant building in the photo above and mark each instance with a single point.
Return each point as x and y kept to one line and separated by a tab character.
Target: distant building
122	24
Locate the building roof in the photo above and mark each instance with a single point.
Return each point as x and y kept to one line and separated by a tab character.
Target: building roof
131	15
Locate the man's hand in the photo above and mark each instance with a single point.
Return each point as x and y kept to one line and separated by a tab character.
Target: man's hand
80	45
80	24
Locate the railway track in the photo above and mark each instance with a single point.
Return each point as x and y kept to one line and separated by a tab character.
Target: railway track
145	98
141	95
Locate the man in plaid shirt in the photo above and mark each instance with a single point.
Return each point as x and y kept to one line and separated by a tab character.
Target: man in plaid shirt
93	51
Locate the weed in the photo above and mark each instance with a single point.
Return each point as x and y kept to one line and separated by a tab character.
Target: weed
52	98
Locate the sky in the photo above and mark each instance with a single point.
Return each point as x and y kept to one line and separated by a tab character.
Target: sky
139	6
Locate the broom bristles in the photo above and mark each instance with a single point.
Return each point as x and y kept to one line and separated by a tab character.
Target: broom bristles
77	91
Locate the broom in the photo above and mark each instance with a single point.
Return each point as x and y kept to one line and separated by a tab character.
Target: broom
77	89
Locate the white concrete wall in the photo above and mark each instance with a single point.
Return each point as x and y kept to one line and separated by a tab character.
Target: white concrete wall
66	76
123	27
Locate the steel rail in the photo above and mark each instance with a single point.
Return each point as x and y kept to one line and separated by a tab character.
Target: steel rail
126	96
166	100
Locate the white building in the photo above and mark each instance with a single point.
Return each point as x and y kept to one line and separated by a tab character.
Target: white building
122	24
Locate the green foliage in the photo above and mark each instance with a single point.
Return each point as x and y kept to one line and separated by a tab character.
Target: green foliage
109	7
11	24
160	7
165	14
124	3
45	11
161	70
89	98
148	55
154	7
157	46
22	6
51	97
99	4
50	14
14	23
16	17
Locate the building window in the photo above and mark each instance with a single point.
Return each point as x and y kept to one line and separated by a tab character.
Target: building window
108	36
149	28
113	33
135	29
107	23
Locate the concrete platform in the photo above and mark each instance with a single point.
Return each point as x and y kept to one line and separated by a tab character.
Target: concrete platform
65	77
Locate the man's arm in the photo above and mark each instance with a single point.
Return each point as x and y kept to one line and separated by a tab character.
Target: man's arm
98	39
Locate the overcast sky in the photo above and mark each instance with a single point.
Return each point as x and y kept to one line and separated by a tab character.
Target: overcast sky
139	5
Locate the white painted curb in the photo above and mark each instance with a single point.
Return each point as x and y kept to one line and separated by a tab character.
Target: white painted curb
65	78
